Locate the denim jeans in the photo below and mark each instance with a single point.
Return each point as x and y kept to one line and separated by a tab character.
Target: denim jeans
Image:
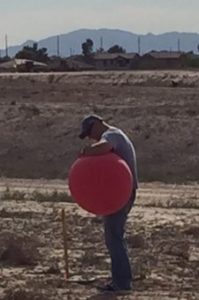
114	226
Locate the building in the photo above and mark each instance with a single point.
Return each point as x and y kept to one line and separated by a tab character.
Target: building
23	65
79	63
163	60
116	61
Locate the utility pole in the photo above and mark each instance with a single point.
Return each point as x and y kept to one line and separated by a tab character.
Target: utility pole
6	45
58	46
72	51
179	46
101	44
139	45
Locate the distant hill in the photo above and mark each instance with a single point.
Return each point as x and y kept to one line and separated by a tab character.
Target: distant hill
70	43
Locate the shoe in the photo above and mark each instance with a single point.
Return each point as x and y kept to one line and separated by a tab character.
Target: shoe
112	287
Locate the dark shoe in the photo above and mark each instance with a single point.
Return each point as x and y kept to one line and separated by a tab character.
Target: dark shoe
112	287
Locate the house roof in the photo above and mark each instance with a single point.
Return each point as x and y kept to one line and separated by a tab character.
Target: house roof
7	65
35	63
19	62
112	56
164	54
74	63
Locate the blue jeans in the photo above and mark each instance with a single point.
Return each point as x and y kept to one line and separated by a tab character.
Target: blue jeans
114	226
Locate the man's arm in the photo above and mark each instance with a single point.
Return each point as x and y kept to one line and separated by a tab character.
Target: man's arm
98	148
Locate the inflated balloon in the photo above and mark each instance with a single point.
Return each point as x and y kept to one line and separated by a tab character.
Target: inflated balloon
101	184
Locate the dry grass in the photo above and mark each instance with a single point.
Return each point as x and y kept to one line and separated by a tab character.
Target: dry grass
38	196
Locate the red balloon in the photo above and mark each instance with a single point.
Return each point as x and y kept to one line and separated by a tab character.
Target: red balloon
101	184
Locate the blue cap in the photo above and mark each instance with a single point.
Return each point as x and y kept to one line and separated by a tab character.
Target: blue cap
87	125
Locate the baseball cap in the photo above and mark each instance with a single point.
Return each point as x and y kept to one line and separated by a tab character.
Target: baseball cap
87	124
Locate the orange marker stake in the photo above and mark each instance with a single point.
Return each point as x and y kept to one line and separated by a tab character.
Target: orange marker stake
65	242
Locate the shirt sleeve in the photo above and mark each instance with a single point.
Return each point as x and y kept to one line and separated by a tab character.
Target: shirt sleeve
111	138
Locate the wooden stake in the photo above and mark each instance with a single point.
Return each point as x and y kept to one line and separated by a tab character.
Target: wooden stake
65	242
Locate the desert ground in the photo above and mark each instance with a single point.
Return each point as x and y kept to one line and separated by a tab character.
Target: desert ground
39	123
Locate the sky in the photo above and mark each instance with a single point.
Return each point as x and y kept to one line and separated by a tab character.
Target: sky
23	20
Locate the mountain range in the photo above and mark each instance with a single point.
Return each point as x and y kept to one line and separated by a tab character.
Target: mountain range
70	43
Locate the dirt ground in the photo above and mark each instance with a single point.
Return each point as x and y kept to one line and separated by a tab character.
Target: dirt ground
162	234
40	118
39	122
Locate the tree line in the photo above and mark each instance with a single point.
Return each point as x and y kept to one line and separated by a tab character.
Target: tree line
87	48
41	54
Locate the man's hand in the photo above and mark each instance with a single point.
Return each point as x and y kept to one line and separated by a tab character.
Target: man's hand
83	151
99	148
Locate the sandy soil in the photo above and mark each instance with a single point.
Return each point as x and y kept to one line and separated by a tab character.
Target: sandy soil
39	122
162	234
40	117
